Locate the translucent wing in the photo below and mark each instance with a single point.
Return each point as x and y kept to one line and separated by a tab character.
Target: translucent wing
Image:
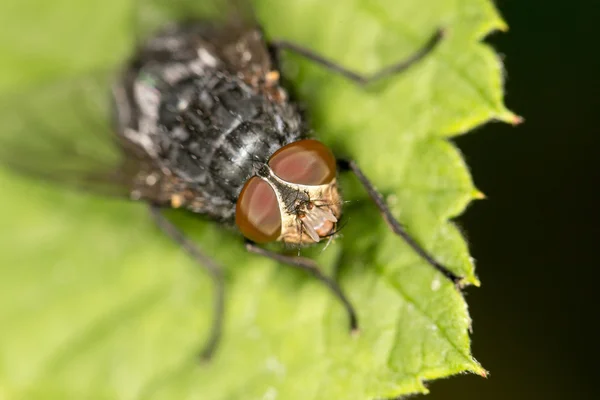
62	133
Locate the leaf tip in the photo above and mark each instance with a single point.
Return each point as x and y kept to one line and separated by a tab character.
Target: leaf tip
470	279
511	118
465	281
502	25
517	120
479	195
499	24
475	367
479	370
474	281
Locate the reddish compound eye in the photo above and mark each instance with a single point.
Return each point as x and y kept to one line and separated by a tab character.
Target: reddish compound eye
257	212
306	162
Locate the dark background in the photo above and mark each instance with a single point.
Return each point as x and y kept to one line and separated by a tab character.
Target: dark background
535	238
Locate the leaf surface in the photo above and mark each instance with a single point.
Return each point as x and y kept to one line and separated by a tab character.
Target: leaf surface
96	303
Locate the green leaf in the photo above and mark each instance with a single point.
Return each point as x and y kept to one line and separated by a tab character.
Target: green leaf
96	303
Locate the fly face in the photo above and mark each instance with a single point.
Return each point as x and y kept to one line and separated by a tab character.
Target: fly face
202	123
294	198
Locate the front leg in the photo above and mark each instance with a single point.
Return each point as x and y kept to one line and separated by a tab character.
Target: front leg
393	223
360	79
310	266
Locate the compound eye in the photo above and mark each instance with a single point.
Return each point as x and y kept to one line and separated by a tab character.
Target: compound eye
306	162
257	212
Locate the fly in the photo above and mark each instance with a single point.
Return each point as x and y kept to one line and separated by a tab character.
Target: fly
203	123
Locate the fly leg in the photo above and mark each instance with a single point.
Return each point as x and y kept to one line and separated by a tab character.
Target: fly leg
360	79
395	226
311	267
213	269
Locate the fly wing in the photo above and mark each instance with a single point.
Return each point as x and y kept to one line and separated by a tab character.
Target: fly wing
62	133
228	27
